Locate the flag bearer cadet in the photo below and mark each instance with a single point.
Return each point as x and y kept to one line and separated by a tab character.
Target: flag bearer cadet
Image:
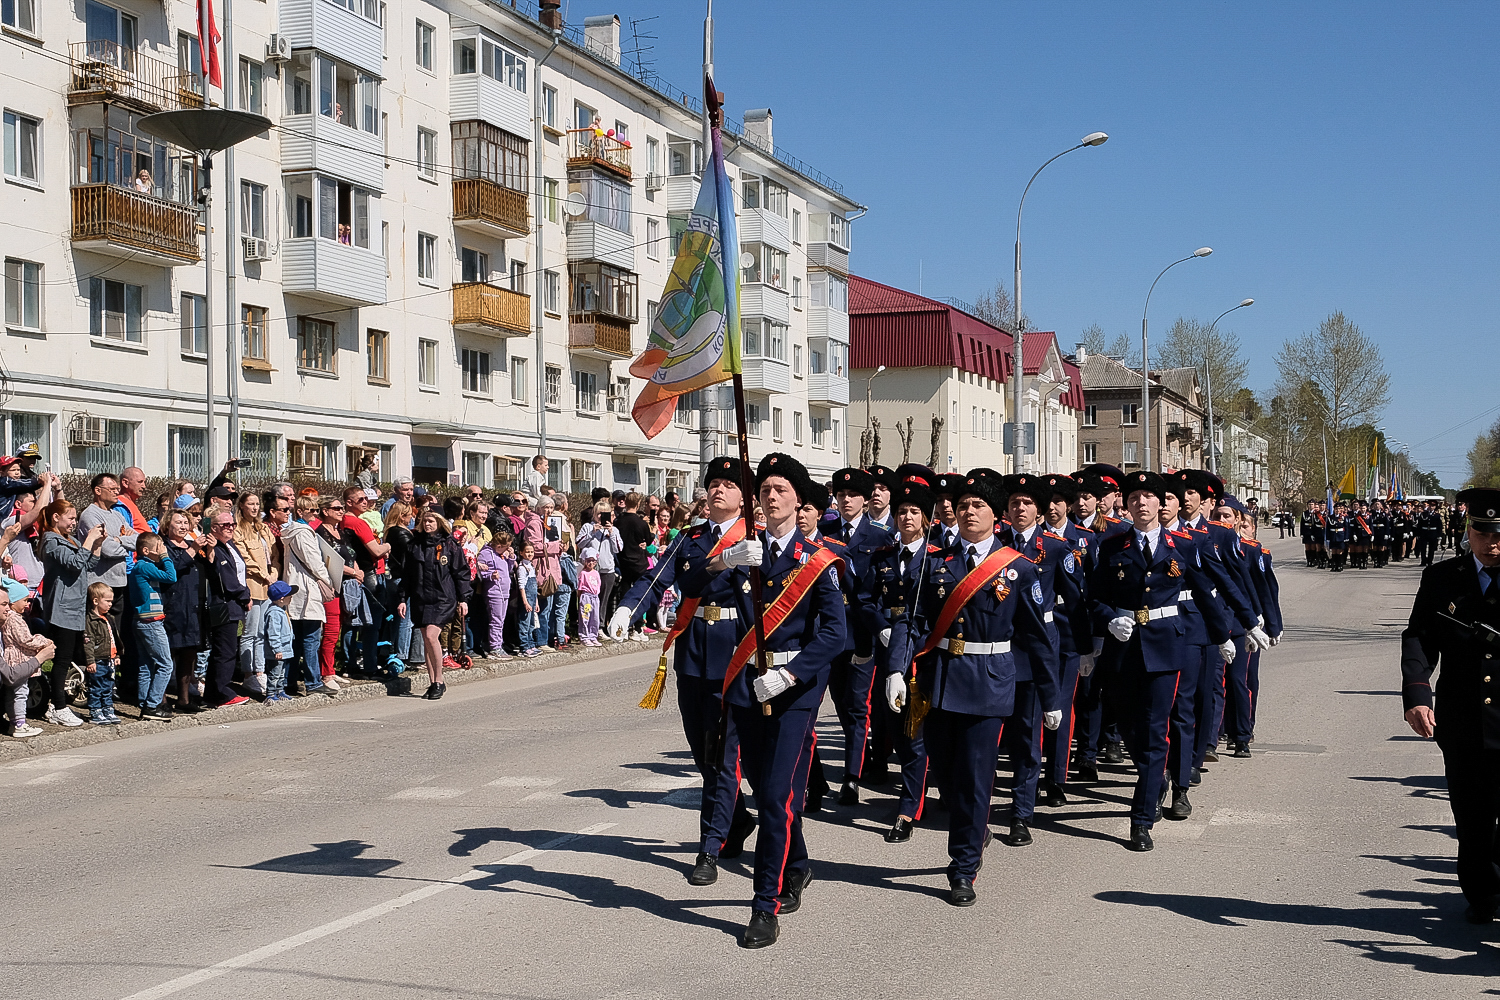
1059	745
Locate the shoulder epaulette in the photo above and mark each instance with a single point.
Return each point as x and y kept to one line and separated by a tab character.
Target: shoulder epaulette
933	549
1049	531
832	543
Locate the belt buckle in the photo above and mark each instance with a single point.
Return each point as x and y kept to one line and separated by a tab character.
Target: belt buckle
956	647
711	612
899	609
1142	616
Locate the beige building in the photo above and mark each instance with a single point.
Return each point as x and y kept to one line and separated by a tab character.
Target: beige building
1111	428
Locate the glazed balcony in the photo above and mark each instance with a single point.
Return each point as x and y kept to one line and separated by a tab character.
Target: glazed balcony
126	223
587	149
491	310
102	70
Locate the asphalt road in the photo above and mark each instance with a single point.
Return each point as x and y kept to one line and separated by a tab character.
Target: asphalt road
529	836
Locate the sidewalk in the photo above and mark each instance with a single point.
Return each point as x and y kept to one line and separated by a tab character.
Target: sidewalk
410	684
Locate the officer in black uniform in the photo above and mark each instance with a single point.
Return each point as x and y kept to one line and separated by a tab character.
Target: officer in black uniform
1429	529
1380	533
1455	626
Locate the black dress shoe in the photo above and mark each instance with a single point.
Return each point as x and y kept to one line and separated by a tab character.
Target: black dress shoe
1211	757
849	794
900	831
762	930
813	802
1196	779
705	870
734	844
442	689
1019	836
431	694
961	892
1113	754
1054	797
1161	801
1480	913
1087	772
1181	807
1241	750
1140	838
790	899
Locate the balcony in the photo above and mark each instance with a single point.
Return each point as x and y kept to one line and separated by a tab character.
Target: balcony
768	301
102	70
318	143
827	389
828	257
763	374
761	225
480	97
125	223
491	310
587	149
331	271
348	30
589	240
682	193
599	335
487	208
823	321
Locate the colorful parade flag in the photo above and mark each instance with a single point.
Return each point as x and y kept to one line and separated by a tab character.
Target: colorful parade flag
694	342
1373	479
1346	486
208	42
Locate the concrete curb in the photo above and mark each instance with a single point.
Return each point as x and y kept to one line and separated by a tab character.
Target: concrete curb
14	750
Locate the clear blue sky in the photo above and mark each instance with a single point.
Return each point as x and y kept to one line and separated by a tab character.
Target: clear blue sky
1343	157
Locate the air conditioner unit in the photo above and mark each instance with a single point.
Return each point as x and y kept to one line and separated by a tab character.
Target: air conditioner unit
88	432
655	182
278	48
255	248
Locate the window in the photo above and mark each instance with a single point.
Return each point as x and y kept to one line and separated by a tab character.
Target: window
650	315
622	131
378	356
342	212
837	440
476	371
796	226
115	310
684	157
776	422
518	380
424	45
252	210
819	428
319	84
187	453
23	292
796	427
817	361
518	276
603	288
474	463
252	94
465	56
549	191
22	149
1090	415
1090	453
316	345
552	292
653	482
427	154
763	338
619	396
974	421
304	457
687	408
507	473
485	55
116	453
653	234
585	476
189	62
653	156
20	14
607	200
1130	414
260	451
102	24
253	333
31	429
482	150
768	266
586	392
797	293
1130	456
554	387
427	363
753	419
427	258
474	265
583	115
549	107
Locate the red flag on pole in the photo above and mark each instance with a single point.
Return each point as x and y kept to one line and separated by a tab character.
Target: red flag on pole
208	42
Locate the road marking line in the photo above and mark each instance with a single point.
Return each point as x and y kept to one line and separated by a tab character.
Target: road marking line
521	782
352	920
51	778
52	762
662	783
429	792
1248	817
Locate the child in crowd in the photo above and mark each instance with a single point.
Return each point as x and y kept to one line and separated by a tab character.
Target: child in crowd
526	579
278	636
588	599
22	650
497	567
101	655
152	571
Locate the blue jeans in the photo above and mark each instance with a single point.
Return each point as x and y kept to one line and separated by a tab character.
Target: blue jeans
543	629
101	687
527	627
252	644
307	634
561	602
156	662
403	627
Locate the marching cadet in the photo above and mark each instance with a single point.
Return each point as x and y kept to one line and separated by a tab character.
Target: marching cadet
711	622
883	484
771	711
1360	536
809	516
855	538
1429	531
1401	529
893	585
1232	708
1097	498
1258	558
1097	730
1455	628
1455	526
1336	534
944	531
1061	579
1380	534
1312	533
978	600
1075	668
1134	587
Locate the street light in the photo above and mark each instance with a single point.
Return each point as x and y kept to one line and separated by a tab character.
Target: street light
1208	379
867	442
1146	361
1092	139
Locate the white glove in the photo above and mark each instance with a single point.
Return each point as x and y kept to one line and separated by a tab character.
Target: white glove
885	637
1122	628
746	553
895	691
619	624
1276	640
1260	620
860	661
1085	664
1052	719
771	683
1227	650
1258	636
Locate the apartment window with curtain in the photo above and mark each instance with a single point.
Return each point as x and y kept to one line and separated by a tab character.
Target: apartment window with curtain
252	93
586	392
116	310
316	343
20	15
1131	453
476	371
253	334
518	383
378	357
776	422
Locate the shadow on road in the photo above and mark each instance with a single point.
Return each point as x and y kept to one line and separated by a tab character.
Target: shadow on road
1423	786
342	858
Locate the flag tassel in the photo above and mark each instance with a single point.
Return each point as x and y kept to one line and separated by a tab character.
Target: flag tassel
658	687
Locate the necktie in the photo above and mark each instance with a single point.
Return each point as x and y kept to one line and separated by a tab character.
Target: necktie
973	558
1146	548
716	534
847	532
905	559
775	551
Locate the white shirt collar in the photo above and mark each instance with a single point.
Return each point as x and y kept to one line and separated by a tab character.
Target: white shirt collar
781	542
1153	536
916	546
1027	535
853	522
981	548
724	526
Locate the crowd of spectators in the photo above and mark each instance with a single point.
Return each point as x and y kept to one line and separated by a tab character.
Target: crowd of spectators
176	604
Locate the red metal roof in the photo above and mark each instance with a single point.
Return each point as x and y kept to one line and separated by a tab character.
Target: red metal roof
900	329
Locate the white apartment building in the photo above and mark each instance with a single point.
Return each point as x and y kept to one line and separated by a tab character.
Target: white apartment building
375	254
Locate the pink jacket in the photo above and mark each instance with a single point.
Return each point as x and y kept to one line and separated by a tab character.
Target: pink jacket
588	581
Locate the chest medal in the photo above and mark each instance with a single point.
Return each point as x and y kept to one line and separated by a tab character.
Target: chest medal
1173	569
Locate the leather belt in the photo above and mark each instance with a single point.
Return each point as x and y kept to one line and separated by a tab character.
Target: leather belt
960	648
899	609
1145	615
1187	595
1046	616
713	613
1059	600
782	659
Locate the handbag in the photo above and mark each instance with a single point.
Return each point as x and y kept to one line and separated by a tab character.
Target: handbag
546	587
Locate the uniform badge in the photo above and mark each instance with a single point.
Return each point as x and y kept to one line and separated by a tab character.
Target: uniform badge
685	565
1001	590
1173	569
1452	608
1036	593
1069	563
942	592
1122	574
1011	575
745	586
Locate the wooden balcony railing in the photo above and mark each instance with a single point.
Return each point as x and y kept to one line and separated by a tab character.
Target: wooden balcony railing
476	304
482	200
588	148
129	218
104	71
599	334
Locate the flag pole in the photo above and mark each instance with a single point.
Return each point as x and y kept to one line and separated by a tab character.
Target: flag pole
713	104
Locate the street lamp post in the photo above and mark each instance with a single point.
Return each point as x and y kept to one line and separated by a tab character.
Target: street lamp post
1208	381
1092	139
868	442
1146	362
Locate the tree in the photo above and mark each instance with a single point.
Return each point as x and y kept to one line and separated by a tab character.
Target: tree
1484	458
998	309
1214	352
1123	348
1349	373
1093	339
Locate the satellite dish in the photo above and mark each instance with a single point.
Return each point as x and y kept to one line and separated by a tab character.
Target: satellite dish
747	260
575	204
